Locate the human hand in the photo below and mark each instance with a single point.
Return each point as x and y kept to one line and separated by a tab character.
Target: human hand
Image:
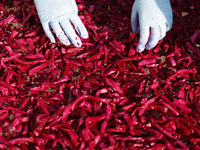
151	15
60	15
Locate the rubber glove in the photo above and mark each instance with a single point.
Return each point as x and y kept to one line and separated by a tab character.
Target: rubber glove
152	16
59	15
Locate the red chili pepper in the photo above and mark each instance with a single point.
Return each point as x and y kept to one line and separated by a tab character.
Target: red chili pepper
73	136
183	127
94	142
4	115
179	73
31	44
13	34
21	140
171	108
147	62
30	13
154	85
96	56
40	67
14	109
192	48
127	107
2	8
118	128
91	121
195	140
40	126
195	36
87	135
181	144
190	123
66	112
130	124
88	97
115	86
57	114
107	118
25	130
158	146
49	136
43	105
181	106
2	146
146	105
170	146
163	130
8	20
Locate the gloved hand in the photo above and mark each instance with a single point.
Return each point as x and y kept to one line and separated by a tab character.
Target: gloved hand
151	15
60	15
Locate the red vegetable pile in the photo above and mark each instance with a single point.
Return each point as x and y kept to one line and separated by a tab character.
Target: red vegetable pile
103	95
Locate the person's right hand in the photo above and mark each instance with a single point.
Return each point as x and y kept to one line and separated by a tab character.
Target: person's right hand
58	15
154	16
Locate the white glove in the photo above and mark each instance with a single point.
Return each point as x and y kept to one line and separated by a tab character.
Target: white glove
151	15
58	15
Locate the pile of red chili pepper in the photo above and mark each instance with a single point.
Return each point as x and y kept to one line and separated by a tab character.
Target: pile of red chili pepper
104	95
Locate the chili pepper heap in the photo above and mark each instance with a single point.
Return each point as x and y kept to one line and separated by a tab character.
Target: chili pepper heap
103	95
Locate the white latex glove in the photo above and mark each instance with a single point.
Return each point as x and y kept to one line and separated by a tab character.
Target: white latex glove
151	15
60	15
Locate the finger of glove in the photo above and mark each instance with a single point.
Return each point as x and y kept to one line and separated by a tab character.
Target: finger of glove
79	26
154	37
59	33
144	35
169	17
69	31
134	21
169	23
163	30
74	5
48	32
